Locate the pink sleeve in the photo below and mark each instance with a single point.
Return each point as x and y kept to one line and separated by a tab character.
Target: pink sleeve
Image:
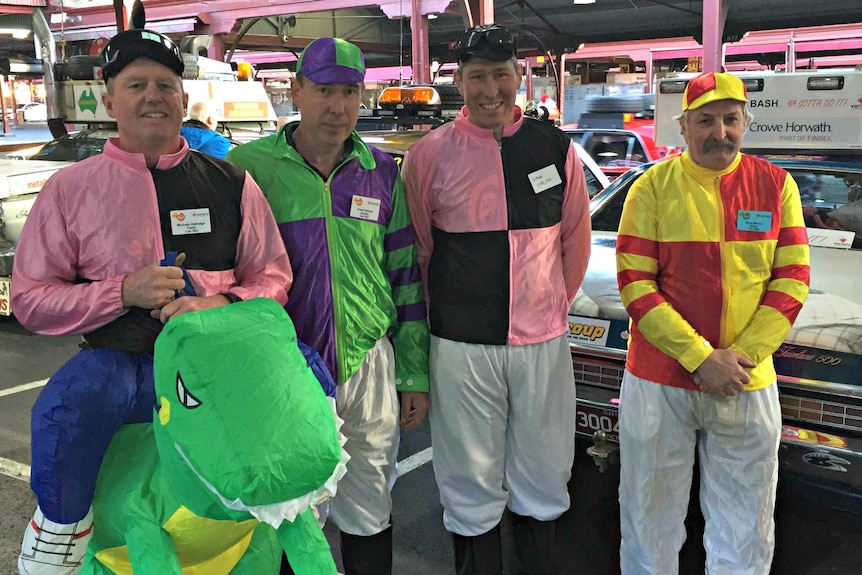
45	296
416	178
262	266
575	227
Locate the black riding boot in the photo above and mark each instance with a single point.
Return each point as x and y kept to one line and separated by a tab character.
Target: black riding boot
367	555
479	555
535	545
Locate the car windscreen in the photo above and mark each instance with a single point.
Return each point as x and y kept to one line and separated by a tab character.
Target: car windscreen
71	149
831	198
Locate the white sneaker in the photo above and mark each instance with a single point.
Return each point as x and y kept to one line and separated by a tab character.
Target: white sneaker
54	548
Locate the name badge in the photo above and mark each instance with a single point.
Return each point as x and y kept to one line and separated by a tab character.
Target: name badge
544	179
363	208
193	221
753	221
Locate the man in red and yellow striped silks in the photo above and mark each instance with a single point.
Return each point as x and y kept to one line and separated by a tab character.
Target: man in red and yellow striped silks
712	265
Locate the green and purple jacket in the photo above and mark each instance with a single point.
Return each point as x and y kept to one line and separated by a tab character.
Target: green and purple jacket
355	273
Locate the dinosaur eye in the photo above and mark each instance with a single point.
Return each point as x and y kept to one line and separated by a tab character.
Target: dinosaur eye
185	396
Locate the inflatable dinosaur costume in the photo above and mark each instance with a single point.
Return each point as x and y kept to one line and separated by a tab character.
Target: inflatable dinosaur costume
243	441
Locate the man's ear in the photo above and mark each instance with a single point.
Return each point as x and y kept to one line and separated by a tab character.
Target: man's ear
682	130
458	79
295	89
108	103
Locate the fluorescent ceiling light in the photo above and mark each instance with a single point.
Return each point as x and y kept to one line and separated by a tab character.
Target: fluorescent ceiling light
585	1
19	33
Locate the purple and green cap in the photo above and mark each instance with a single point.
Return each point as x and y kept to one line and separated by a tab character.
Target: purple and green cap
332	61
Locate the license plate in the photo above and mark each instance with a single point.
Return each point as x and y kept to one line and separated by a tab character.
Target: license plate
5	289
592	418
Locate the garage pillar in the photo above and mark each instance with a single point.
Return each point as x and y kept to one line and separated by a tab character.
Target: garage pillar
419	37
714	17
216	50
482	11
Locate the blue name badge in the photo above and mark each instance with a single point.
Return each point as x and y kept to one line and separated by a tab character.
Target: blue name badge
753	221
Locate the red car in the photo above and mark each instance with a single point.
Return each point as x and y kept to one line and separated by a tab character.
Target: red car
617	150
618	131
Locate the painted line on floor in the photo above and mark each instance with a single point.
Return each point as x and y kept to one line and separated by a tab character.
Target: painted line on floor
20	471
22	388
414	461
14	469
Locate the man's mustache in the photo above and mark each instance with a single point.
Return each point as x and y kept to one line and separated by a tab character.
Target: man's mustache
713	144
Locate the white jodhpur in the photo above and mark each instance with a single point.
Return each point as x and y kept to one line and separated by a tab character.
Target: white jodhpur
737	441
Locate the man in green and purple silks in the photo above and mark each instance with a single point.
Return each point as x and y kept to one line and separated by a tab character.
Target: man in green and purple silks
357	293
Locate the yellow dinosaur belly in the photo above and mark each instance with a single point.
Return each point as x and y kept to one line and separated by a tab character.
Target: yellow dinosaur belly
204	546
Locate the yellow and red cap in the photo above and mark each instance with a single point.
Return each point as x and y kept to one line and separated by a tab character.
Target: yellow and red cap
711	87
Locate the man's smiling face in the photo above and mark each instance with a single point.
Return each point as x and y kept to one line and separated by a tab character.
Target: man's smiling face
489	89
148	103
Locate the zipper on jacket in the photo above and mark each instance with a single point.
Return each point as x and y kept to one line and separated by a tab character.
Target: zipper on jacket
295	156
334	271
726	296
167	241
508	224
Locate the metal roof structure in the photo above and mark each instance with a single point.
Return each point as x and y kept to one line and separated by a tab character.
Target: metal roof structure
556	25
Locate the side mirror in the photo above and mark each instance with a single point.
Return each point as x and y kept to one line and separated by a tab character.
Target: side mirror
197	44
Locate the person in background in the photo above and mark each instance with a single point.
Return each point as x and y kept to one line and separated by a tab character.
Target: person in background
114	247
712	266
200	132
500	207
357	294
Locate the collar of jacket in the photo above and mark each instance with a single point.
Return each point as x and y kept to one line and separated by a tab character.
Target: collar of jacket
462	122
699	171
281	149
137	161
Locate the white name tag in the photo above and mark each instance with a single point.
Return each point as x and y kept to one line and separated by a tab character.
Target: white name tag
193	221
365	208
546	178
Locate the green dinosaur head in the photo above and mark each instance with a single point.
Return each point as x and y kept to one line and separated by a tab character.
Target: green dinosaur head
242	425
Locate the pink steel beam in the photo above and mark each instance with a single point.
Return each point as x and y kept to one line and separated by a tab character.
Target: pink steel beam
404	9
840	37
482	11
12	6
419	44
733	50
714	17
801	62
210	11
255	57
8	9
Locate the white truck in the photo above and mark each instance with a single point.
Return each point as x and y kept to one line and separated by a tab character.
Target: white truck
242	107
20	181
811	125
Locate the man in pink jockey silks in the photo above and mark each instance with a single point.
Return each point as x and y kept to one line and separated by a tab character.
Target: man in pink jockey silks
114	247
499	204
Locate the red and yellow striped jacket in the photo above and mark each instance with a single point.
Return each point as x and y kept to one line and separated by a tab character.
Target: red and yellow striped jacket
707	260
